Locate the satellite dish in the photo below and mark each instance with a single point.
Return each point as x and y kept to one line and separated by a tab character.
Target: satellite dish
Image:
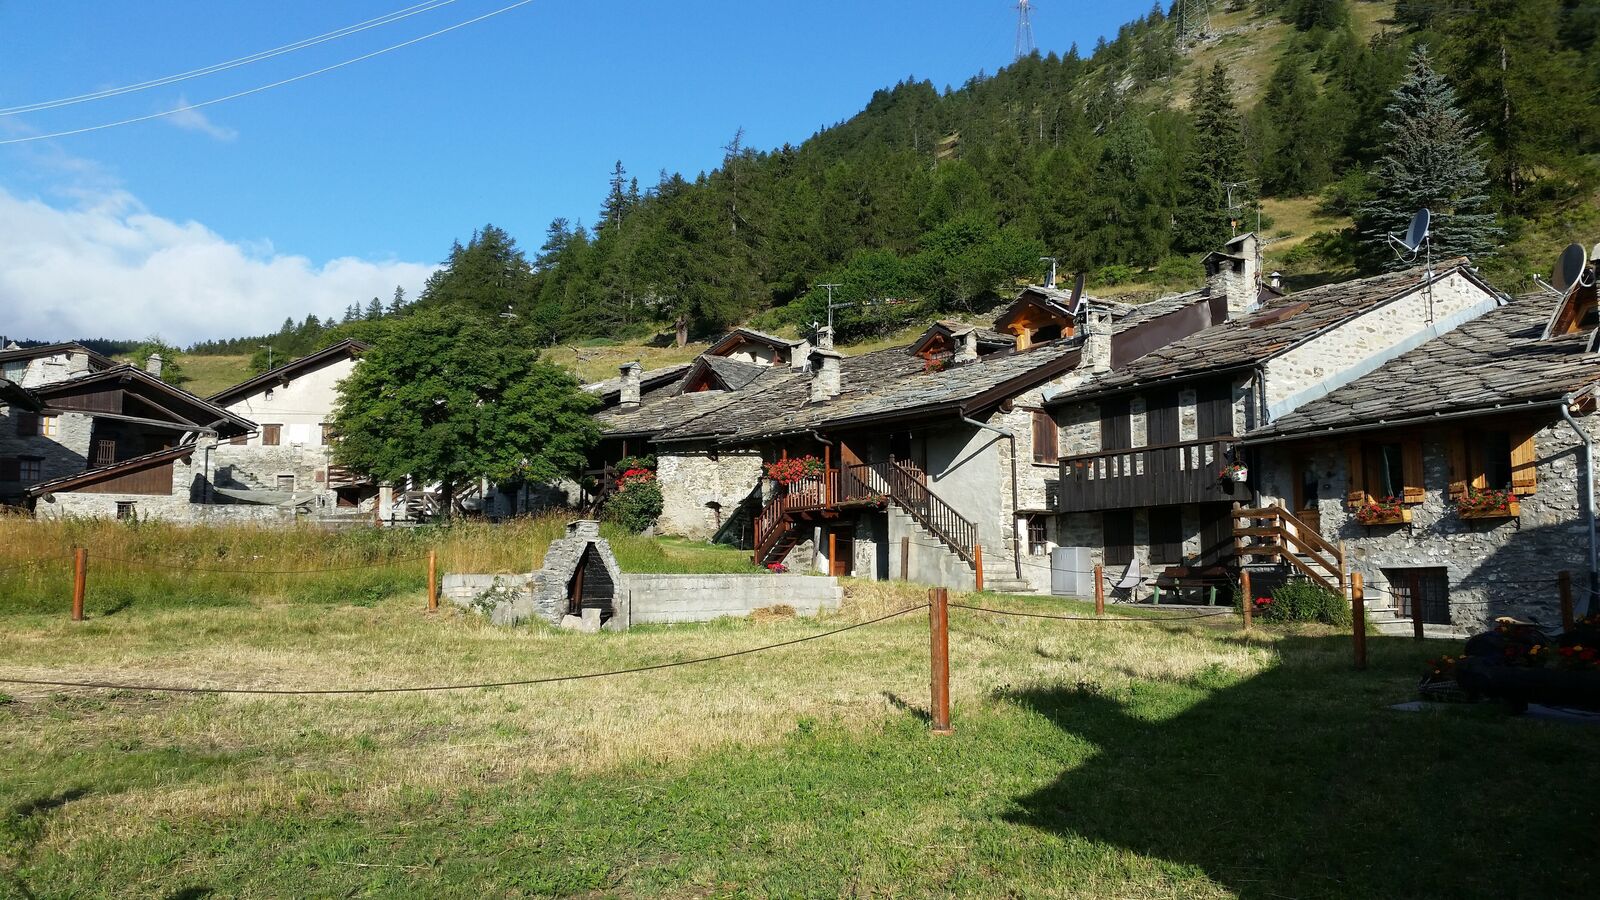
1569	268
1595	255
1077	296
1418	232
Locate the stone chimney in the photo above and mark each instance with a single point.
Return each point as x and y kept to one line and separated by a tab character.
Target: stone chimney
1275	280
153	364
629	395
77	361
799	354
824	337
966	346
1096	341
1235	275
826	380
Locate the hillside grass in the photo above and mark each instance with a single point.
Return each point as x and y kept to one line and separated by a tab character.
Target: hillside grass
1089	759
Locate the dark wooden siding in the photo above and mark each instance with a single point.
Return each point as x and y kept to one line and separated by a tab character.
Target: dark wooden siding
1116	426
1117	527
1214	408
156	480
1166	534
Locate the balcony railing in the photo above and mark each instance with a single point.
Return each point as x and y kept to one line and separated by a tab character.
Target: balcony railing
1157	475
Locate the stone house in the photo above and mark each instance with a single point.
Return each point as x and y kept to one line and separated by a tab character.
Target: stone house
1482	438
30	367
1144	444
289	452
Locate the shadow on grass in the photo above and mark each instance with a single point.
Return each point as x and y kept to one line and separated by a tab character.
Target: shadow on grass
898	702
21	830
1273	790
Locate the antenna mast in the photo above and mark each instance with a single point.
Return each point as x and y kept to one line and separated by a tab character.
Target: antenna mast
1024	29
1192	19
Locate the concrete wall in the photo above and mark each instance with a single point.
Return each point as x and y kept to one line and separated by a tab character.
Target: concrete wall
692	482
1495	567
701	598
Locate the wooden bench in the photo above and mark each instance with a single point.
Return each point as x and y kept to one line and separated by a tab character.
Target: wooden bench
1201	582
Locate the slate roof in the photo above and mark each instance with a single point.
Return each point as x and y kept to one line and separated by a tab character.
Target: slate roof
1242	342
771	340
111	470
345	349
736	375
1495	360
180	402
609	390
660	412
96	360
13	394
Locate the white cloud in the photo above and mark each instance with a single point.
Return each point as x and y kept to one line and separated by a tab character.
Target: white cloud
190	119
107	267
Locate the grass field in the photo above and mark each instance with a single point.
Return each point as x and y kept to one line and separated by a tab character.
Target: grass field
1129	760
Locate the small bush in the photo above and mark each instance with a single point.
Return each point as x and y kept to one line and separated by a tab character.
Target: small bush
635	506
1302	601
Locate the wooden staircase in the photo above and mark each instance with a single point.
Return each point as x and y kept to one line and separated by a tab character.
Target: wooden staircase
854	487
1275	534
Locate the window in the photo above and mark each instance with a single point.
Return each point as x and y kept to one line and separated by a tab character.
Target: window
105	451
48	426
30	468
270	434
1117	526
1046	438
1038	537
1420	590
27	424
1383	468
1166	535
286	483
125	511
1493	459
10	469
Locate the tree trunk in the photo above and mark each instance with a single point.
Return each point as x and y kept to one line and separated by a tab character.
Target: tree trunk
447	499
682	325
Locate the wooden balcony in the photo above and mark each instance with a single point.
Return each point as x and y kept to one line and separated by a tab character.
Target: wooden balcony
1159	475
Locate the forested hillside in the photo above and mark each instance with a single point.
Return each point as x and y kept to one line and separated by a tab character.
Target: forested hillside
1127	162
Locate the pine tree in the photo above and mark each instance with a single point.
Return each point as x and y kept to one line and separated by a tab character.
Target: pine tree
399	301
1294	161
1432	159
374	310
1215	161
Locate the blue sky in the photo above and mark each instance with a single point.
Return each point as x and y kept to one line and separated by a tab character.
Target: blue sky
224	219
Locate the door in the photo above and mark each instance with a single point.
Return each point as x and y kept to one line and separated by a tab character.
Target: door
841	550
1307	491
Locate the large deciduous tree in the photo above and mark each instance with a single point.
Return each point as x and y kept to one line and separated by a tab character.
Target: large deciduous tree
1432	159
445	396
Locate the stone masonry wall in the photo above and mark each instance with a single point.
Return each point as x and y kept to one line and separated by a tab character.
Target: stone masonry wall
65	453
179	505
1495	567
692	482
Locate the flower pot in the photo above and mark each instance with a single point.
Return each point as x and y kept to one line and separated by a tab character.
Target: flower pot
1511	510
1239	475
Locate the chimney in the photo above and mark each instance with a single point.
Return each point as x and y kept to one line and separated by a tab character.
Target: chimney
1276	280
826	381
1096	341
966	345
629	395
1234	275
153	364
77	361
799	354
825	337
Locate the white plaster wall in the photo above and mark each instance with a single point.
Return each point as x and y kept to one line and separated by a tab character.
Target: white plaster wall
301	406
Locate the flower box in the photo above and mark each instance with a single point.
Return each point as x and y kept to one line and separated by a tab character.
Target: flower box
1387	511
1488	504
1511	510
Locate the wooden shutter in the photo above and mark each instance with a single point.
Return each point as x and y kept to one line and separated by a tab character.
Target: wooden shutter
1166	534
27	424
10	469
1046	440
1460	465
270	435
1355	475
1117	528
1411	468
1524	463
1116	425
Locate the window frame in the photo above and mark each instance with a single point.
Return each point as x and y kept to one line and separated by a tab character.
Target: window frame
271	434
1046	438
1038	535
30	468
1361	473
127	510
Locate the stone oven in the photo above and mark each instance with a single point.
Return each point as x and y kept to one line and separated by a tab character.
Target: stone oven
580	578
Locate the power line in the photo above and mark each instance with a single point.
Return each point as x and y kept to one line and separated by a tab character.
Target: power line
177	689
267	87
385	19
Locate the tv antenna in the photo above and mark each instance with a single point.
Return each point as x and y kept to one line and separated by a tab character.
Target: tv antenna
1050	280
832	305
1418	238
1236	204
1025	45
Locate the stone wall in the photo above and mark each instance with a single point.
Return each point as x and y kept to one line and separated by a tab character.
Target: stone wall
701	489
1495	567
65	453
186	502
255	467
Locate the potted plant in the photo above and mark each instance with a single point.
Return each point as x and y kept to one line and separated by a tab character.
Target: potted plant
1235	472
792	469
1488	504
1382	511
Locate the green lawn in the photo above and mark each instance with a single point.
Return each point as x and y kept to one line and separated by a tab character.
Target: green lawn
1089	759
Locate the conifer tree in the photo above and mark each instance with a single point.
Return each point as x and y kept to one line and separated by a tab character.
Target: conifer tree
1432	159
374	310
1214	161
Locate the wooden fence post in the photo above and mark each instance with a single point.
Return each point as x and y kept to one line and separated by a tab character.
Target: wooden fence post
433	580
833	547
1358	619
939	660
1247	603
905	558
1564	582
978	565
80	578
1099	589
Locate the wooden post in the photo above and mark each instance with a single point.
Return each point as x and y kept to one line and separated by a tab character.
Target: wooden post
1564	581
433	580
939	660
827	489
978	564
80	577
1099	589
832	546
1247	603
905	558
1358	619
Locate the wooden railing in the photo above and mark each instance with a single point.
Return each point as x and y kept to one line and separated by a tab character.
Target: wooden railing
1157	475
865	484
1286	538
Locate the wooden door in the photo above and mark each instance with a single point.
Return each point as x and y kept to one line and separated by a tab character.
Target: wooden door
1307	491
841	550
